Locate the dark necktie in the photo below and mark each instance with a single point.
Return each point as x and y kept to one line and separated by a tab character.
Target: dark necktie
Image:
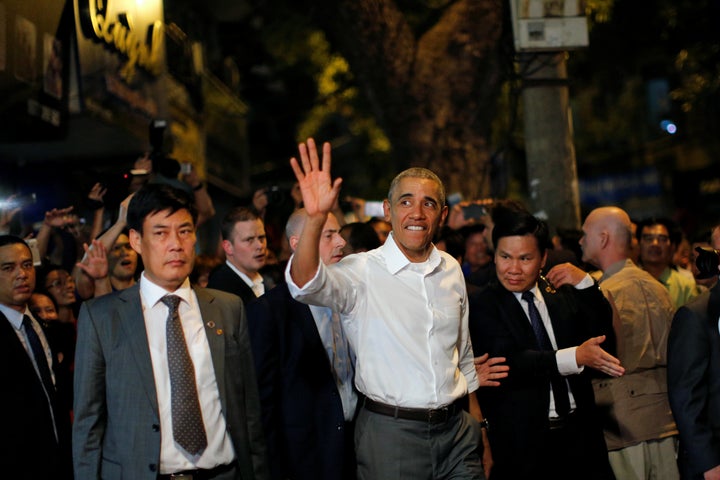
188	427
39	355
559	386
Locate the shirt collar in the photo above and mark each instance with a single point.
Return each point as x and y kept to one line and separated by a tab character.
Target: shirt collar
665	276
14	317
534	291
396	259
615	268
248	281
152	293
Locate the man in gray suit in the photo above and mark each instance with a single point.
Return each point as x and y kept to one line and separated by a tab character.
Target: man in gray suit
164	380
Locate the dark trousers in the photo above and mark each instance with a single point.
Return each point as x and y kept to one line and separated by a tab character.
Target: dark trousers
576	451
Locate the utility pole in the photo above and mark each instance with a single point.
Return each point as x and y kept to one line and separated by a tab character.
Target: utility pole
550	152
543	32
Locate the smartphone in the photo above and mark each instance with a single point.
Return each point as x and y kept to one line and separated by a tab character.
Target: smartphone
374	209
32	243
19	201
473	211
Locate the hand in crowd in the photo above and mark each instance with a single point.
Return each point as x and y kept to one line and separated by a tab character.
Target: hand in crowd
7	213
319	191
97	192
191	178
122	211
358	207
59	217
490	370
143	163
590	354
565	274
94	262
456	217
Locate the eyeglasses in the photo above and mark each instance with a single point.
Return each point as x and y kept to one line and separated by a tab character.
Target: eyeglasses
649	238
61	282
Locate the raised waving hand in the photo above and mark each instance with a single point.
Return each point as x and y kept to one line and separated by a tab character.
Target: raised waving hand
319	191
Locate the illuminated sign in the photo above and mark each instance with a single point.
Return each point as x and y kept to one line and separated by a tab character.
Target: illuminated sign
123	33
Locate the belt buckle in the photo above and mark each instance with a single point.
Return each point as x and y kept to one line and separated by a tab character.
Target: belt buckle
182	476
438	415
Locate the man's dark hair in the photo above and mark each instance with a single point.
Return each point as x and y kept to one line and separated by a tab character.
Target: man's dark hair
157	197
237	214
468	230
362	237
12	240
674	232
519	223
501	208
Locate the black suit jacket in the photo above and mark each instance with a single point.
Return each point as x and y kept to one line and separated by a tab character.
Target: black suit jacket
302	411
694	382
518	409
27	443
225	279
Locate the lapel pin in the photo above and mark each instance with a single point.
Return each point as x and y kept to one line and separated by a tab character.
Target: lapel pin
211	324
219	331
549	287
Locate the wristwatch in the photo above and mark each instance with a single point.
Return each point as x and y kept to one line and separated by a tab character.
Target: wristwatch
485	424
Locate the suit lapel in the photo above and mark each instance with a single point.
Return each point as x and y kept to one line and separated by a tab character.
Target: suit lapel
132	320
214	331
305	321
515	317
558	315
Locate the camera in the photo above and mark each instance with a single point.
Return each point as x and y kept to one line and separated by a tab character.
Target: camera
707	262
276	194
156	134
473	211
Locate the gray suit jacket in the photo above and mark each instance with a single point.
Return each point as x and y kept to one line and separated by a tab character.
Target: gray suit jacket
116	433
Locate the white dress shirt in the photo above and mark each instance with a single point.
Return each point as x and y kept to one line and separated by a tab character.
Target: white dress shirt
565	357
256	284
219	450
406	322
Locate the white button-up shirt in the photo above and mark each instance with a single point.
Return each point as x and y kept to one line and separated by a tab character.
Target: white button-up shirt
219	450
407	323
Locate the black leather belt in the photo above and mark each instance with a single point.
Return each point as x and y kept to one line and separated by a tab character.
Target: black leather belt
562	422
436	415
200	474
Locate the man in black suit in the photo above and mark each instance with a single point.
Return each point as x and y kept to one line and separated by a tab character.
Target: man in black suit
694	384
245	245
305	375
35	439
542	419
164	383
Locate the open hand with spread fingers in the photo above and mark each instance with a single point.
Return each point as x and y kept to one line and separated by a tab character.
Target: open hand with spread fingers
319	191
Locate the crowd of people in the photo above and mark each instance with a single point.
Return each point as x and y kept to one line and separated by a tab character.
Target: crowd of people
428	344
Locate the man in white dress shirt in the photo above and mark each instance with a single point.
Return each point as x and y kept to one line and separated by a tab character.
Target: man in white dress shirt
403	307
